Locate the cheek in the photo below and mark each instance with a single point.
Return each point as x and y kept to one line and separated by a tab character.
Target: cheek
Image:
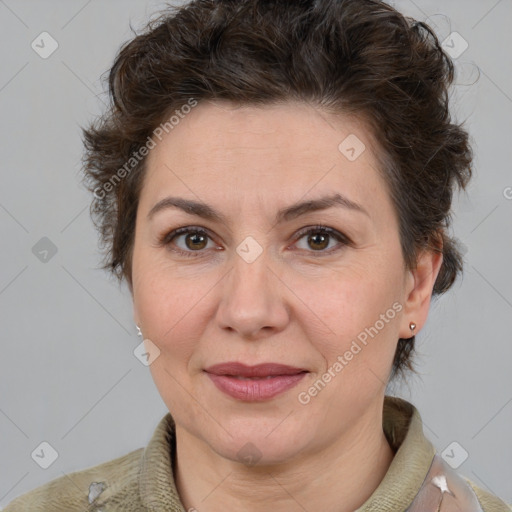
159	293
357	305
173	314
174	308
165	307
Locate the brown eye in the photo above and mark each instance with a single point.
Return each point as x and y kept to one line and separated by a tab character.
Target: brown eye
318	241
319	238
195	240
187	241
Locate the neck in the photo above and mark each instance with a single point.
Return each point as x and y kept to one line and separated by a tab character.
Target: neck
338	478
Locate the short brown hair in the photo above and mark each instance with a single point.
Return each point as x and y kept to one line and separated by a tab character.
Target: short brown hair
349	56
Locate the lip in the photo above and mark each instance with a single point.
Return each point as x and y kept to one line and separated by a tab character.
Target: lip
254	383
259	370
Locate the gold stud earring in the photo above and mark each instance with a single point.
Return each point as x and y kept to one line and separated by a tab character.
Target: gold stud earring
412	326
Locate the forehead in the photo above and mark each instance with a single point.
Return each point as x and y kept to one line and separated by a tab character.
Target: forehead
284	126
280	150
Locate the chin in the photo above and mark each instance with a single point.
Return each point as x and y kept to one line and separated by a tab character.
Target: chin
256	444
255	454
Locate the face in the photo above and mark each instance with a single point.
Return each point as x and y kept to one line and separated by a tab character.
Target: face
252	279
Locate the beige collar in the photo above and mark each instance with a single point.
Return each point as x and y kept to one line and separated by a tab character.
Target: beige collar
402	426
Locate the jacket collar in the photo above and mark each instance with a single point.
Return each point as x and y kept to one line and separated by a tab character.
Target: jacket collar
402	426
414	453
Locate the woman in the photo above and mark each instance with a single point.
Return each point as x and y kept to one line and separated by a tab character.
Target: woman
274	182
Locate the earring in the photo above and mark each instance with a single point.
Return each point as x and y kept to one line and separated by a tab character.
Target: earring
412	326
139	332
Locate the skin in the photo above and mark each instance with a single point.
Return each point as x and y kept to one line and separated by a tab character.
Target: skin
295	304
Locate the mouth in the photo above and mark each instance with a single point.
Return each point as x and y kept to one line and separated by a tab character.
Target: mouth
264	370
254	383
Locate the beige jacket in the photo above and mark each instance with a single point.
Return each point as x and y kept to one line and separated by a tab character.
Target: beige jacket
418	480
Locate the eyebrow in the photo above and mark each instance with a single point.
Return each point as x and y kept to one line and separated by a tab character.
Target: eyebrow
285	214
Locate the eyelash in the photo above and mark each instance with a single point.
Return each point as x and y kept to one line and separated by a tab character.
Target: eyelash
166	239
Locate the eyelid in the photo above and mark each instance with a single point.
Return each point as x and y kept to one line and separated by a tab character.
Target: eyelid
321	227
342	239
167	237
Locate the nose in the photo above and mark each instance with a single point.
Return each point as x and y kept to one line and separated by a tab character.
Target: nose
254	300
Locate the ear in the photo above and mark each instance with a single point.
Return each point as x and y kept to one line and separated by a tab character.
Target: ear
419	285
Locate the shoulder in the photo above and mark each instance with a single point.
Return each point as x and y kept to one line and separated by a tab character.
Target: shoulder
455	491
488	502
441	483
115	480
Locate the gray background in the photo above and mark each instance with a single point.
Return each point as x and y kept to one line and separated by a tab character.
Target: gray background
68	375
